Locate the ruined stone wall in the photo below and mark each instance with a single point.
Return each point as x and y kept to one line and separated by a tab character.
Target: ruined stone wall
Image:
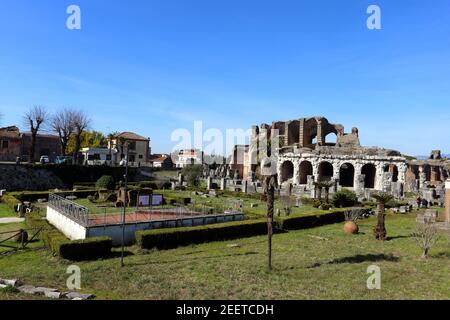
382	180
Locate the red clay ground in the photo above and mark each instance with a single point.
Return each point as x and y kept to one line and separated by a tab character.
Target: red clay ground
140	216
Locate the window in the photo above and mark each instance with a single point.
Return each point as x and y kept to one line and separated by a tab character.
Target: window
141	156
132	146
95	156
5	144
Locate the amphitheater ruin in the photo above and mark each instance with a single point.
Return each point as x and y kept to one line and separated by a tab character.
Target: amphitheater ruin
313	149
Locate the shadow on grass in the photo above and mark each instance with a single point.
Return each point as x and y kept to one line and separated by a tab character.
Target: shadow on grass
397	237
359	259
196	258
441	255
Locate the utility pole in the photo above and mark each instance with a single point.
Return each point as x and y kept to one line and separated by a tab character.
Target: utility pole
124	208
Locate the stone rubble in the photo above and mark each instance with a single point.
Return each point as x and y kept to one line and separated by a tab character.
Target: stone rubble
43	291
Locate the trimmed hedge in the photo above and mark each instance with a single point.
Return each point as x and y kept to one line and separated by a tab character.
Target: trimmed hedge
34	196
174	237
307	222
59	245
88	249
176	200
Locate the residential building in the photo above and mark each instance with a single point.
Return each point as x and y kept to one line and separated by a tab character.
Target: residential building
10	143
138	148
15	144
188	157
98	156
46	145
163	161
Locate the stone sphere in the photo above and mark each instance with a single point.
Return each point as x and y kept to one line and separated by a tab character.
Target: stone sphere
351	227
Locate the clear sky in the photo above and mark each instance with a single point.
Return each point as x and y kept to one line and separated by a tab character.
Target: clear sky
154	66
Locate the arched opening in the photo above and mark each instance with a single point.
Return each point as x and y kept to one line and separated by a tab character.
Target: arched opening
326	171
331	139
369	170
427	170
306	170
392	168
347	175
287	171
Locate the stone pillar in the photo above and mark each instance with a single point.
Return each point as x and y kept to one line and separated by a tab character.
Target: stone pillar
223	184
208	183
434	175
286	132
245	186
447	201
296	179
301	129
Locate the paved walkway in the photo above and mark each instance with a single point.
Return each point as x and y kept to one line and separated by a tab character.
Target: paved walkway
11	220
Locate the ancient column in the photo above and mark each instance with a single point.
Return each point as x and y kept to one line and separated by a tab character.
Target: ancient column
447	201
223	184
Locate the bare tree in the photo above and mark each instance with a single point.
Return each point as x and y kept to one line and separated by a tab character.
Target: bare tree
63	124
425	236
35	119
80	123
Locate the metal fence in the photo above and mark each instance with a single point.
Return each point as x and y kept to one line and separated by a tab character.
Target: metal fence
69	209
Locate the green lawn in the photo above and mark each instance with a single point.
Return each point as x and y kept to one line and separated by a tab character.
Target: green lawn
6	212
319	263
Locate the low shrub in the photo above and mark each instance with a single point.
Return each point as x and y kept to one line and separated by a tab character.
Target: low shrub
307	201
316	203
176	200
174	237
325	206
148	184
11	201
306	222
105	183
35	195
59	245
345	198
79	250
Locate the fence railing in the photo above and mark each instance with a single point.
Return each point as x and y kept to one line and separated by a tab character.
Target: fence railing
69	209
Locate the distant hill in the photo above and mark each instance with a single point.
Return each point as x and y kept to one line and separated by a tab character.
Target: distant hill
426	157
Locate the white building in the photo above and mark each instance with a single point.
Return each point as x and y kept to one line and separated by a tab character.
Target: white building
98	156
188	157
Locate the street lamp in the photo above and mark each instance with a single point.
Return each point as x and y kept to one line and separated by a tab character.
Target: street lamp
124	206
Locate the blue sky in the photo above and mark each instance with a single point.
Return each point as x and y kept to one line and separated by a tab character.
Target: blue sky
154	66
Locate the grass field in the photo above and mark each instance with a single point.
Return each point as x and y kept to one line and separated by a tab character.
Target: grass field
6	212
320	263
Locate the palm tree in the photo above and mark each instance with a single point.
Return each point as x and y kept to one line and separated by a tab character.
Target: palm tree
111	137
318	187
382	198
327	185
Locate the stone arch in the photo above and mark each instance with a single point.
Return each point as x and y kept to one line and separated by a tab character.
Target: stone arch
427	170
370	171
392	168
287	171
326	171
306	169
331	139
347	175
